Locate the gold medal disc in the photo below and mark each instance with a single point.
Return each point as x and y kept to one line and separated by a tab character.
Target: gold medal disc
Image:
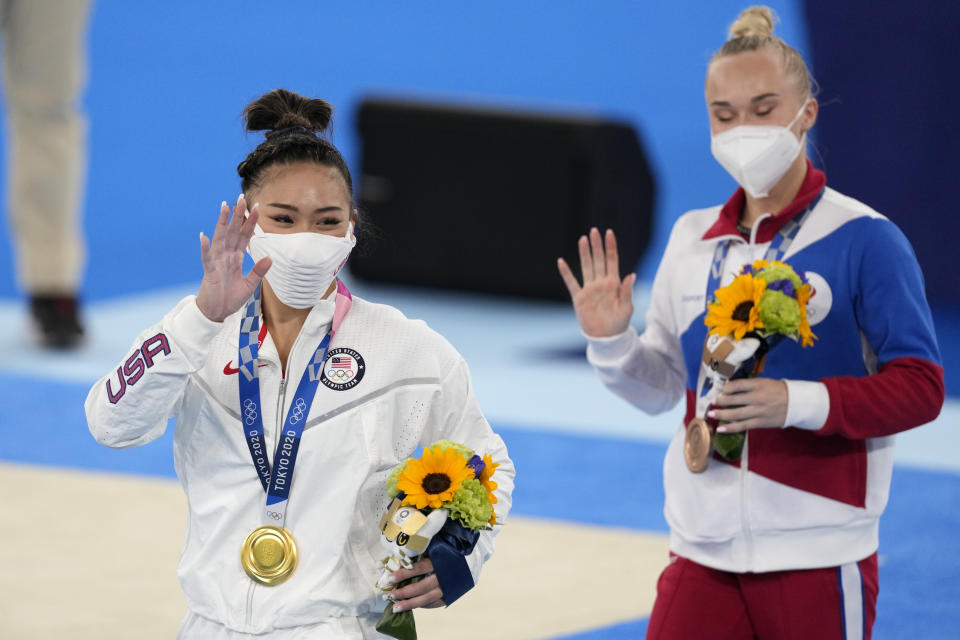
697	445
269	555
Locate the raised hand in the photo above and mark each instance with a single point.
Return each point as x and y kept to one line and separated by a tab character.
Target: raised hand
604	303
224	288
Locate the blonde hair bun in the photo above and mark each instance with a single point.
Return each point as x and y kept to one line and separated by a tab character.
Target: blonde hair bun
754	21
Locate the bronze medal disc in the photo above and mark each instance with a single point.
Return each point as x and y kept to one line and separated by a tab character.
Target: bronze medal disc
697	445
269	555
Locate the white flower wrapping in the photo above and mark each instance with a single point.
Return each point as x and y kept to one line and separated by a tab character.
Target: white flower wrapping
405	533
722	358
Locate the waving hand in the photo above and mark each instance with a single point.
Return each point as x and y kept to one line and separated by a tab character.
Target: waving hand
224	288
604	303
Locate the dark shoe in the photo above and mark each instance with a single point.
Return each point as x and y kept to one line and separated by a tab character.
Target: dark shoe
56	321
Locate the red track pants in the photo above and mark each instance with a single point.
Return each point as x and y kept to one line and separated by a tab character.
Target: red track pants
696	602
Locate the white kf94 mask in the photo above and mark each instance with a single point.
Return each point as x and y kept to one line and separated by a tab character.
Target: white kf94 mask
304	264
757	156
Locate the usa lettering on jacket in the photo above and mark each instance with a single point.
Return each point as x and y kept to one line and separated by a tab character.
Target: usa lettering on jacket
134	367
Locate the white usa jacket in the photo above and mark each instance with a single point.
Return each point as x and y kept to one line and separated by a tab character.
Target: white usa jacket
410	388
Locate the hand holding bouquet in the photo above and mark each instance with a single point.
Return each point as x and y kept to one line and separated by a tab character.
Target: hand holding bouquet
746	318
447	494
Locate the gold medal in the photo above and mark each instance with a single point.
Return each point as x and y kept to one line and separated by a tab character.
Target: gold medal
269	555
697	445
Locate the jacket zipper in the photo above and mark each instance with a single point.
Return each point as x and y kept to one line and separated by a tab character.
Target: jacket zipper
280	401
253	585
744	508
280	395
744	456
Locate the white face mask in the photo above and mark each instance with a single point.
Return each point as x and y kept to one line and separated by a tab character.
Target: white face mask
304	264
757	156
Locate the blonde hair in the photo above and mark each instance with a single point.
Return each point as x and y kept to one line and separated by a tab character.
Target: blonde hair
752	31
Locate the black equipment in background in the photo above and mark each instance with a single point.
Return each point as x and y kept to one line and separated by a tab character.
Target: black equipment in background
484	200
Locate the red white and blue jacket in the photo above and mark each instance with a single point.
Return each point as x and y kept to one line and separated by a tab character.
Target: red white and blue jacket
810	494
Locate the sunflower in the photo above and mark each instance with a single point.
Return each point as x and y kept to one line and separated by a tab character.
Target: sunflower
433	478
735	309
488	468
806	335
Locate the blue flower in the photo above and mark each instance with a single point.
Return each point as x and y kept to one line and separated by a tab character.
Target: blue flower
783	286
476	463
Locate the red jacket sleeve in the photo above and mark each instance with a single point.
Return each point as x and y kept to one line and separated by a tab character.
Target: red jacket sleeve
904	393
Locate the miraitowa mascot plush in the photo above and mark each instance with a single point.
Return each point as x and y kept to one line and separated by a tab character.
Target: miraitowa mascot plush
723	359
407	532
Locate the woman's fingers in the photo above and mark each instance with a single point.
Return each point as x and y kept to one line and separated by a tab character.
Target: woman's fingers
429	600
596	245
235	228
751	403
250	224
568	278
419	568
613	259
222	221
586	262
425	593
626	289
204	249
259	271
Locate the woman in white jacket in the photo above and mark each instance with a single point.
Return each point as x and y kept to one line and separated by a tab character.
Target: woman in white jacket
240	366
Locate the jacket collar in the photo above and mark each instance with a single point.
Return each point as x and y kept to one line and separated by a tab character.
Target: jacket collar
726	224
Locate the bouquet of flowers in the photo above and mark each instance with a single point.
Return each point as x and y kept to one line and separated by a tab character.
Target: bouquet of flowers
448	491
765	301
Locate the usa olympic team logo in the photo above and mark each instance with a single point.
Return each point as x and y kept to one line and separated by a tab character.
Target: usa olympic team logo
343	369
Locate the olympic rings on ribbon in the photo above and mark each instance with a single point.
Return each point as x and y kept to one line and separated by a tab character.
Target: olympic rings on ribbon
249	412
274	515
299	408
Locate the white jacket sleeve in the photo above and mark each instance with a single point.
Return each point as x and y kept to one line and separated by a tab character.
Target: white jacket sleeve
131	405
646	370
463	422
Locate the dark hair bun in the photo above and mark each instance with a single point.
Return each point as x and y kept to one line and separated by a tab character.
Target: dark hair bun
282	109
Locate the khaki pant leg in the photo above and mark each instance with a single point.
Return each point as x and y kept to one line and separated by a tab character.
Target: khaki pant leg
44	73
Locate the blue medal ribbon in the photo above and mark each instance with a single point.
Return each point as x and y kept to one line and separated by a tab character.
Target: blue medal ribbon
277	482
778	247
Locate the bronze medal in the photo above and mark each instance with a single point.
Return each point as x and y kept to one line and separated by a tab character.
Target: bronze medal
697	445
269	555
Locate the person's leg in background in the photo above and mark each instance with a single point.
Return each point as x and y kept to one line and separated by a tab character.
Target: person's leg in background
44	73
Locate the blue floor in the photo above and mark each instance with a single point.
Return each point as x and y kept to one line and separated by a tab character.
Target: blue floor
569	477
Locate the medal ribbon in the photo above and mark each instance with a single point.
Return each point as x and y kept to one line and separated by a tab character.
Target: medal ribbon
277	483
778	247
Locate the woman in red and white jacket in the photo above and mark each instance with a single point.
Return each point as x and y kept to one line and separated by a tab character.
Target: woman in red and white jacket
781	543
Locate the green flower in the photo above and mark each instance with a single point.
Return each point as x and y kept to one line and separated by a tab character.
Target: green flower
392	490
779	313
471	505
779	271
456	446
